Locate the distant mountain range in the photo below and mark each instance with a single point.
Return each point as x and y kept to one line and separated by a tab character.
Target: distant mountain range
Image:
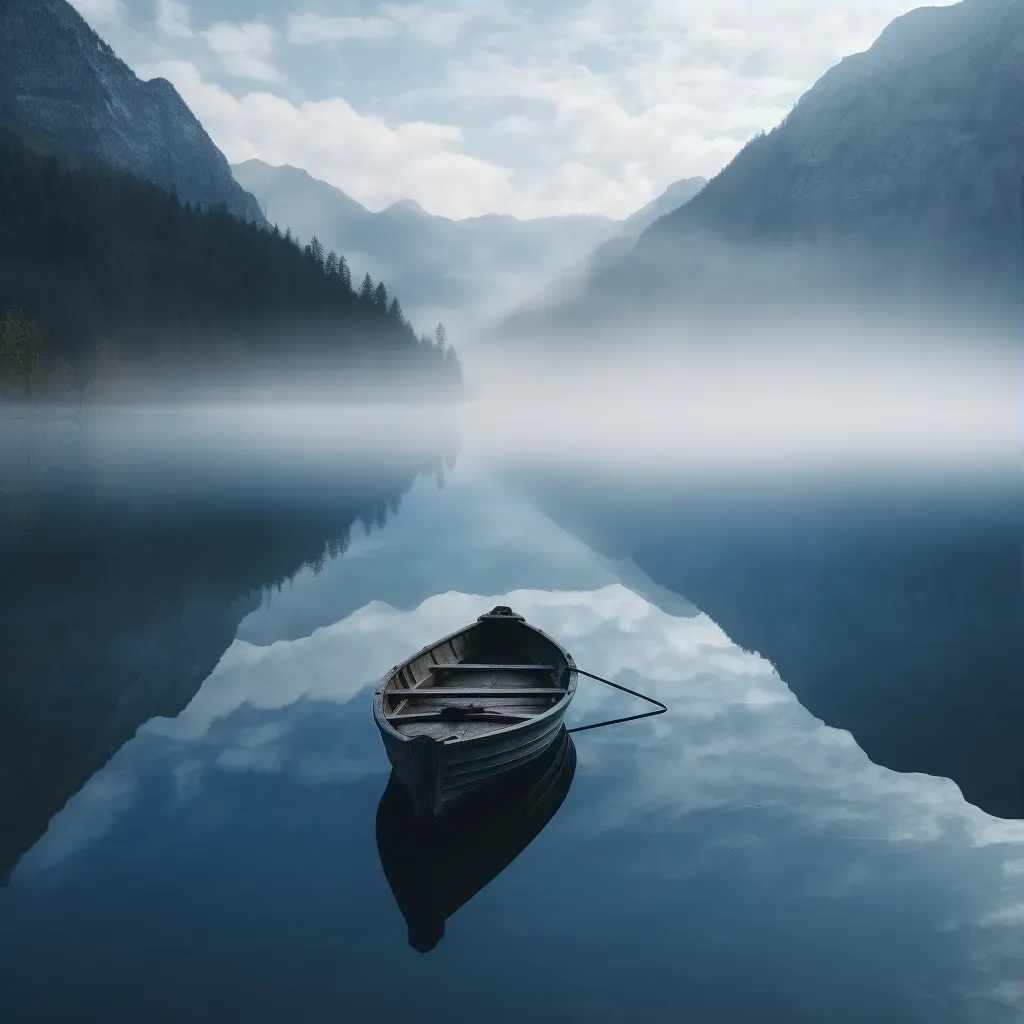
895	179
64	84
677	194
64	90
608	254
462	270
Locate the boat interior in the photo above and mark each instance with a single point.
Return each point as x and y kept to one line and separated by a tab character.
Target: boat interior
498	672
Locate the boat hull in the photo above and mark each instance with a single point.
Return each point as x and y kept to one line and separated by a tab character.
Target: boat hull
439	774
441	770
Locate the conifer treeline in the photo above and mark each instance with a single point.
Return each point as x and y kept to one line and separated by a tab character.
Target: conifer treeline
100	272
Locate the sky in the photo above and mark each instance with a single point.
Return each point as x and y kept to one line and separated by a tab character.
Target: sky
491	106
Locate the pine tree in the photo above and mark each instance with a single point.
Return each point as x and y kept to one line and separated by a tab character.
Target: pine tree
452	366
316	251
61	379
331	265
105	372
395	310
366	288
344	272
441	337
22	345
380	296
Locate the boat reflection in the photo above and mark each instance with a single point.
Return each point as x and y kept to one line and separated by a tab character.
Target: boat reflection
435	867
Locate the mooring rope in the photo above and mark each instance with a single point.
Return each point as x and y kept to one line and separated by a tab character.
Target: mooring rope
661	708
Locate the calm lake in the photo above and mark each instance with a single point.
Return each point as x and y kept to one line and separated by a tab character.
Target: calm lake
825	826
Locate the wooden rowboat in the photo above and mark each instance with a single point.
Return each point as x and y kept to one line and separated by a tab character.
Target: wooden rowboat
472	706
435	867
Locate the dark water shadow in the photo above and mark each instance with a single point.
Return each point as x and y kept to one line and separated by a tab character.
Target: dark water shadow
435	867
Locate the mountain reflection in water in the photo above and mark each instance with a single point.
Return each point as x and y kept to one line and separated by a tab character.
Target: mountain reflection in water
122	590
733	859
892	608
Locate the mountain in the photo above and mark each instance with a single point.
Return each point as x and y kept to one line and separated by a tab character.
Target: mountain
291	198
606	256
108	284
895	179
677	194
618	247
61	81
408	206
466	270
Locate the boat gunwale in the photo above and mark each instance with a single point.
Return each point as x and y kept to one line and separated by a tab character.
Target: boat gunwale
385	726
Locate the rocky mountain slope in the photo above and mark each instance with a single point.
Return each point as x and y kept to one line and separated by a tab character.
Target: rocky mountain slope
897	177
61	81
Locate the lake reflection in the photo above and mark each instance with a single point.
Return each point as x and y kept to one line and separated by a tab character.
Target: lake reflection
733	859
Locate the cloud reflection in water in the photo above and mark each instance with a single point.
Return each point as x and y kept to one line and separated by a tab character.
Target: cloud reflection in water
738	781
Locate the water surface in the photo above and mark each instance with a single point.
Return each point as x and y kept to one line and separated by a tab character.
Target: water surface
190	775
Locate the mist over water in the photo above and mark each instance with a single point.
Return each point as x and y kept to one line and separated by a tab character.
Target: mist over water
778	404
810	552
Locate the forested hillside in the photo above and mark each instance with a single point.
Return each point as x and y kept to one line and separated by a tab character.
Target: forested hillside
464	272
106	277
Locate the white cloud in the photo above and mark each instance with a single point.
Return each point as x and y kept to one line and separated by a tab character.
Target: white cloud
433	23
100	12
244	49
442	25
362	155
627	99
616	100
172	18
516	125
319	28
